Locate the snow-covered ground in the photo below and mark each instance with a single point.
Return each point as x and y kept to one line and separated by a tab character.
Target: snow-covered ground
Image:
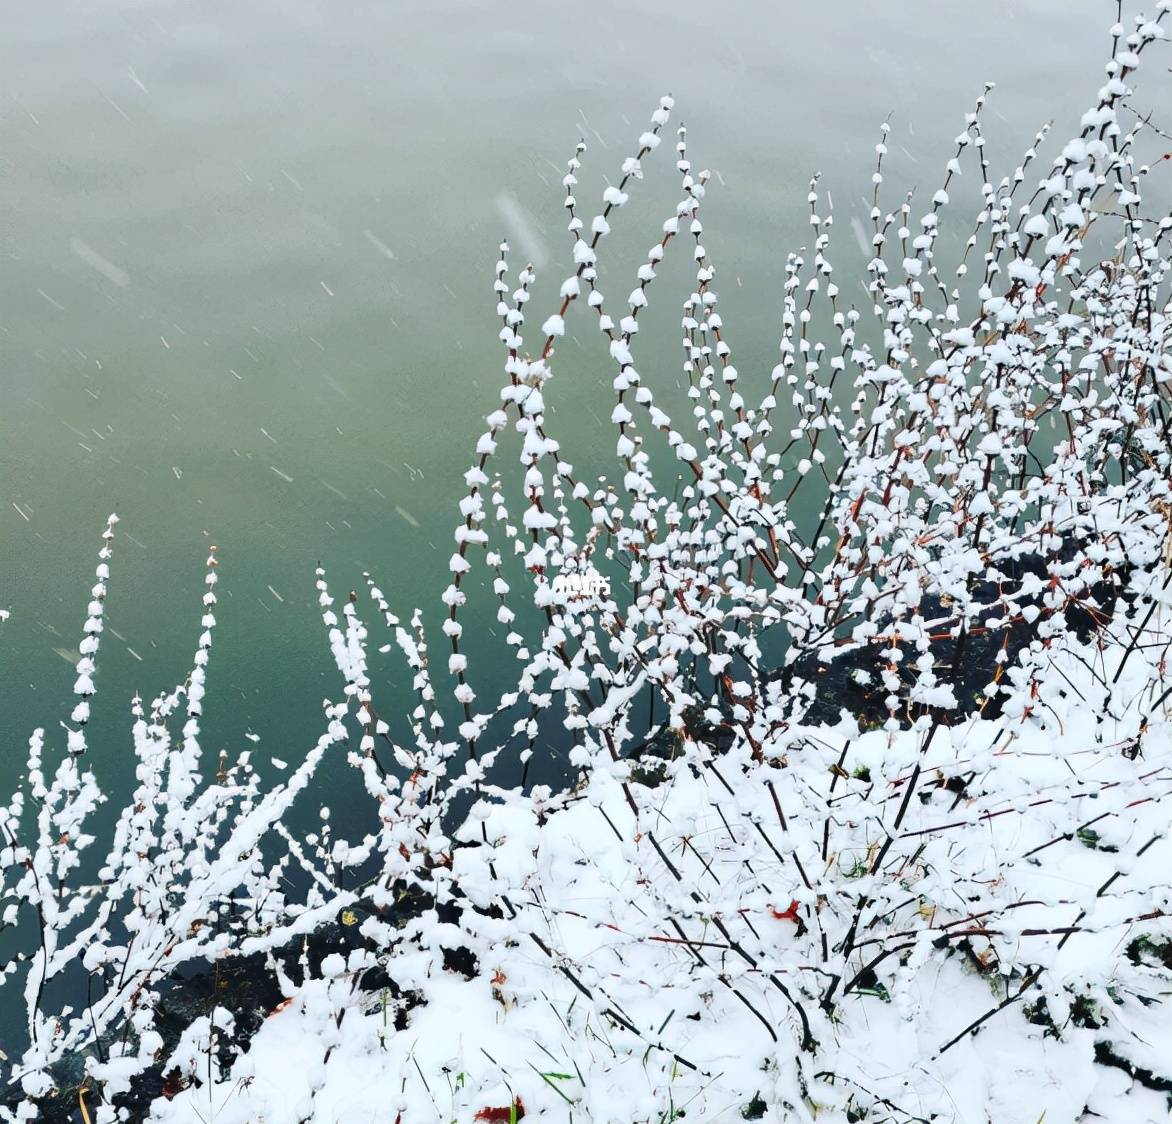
1048	880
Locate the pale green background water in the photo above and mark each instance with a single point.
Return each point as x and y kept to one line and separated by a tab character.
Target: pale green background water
254	236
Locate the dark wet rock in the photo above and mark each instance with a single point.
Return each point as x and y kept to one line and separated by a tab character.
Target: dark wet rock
462	961
245	986
62	1103
650	757
1105	1054
964	659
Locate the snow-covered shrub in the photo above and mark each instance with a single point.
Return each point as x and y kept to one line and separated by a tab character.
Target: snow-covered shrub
889	917
947	900
184	879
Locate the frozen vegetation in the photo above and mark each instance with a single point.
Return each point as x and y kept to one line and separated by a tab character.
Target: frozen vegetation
870	713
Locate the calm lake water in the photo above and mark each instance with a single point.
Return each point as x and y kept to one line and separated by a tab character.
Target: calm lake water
246	254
